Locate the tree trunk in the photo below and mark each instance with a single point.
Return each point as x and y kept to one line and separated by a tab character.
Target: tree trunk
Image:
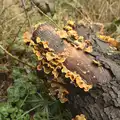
102	102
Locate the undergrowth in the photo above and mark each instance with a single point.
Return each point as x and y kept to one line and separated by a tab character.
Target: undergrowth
28	98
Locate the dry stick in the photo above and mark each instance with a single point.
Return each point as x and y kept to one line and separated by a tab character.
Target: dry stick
6	22
3	9
46	16
14	57
86	16
103	7
15	37
27	16
110	8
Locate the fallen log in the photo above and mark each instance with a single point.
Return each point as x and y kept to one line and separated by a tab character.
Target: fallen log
81	69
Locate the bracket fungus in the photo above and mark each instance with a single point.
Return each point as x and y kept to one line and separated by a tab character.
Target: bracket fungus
110	40
79	117
64	54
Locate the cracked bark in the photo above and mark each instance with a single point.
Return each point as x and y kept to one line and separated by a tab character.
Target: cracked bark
103	101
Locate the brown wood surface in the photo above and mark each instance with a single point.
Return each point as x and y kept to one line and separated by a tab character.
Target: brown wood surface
102	102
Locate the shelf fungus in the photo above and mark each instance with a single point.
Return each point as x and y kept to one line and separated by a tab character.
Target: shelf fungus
62	56
111	41
79	117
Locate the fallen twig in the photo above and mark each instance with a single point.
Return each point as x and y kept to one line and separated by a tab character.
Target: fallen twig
14	57
46	15
15	36
26	13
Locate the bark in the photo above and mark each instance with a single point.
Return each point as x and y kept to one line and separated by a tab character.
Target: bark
102	102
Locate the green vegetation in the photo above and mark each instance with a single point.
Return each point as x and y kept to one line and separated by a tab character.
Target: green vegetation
28	98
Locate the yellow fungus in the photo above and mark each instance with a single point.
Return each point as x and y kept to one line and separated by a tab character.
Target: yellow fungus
51	66
40	57
68	28
96	63
37	53
81	38
38	40
54	62
109	40
62	34
88	49
34	51
73	33
55	73
79	117
45	44
81	45
50	56
39	67
64	69
61	60
71	23
47	70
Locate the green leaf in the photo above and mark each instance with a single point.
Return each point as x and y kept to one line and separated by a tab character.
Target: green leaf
8	112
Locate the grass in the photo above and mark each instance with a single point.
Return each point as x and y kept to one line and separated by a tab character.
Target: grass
16	59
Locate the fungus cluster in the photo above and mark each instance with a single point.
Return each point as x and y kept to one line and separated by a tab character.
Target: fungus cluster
79	117
113	42
70	34
53	64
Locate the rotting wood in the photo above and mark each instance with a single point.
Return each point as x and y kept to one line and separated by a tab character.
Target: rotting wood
102	101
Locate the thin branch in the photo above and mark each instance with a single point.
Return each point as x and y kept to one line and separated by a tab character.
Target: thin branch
46	15
37	106
14	57
3	9
15	36
26	13
82	12
6	22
